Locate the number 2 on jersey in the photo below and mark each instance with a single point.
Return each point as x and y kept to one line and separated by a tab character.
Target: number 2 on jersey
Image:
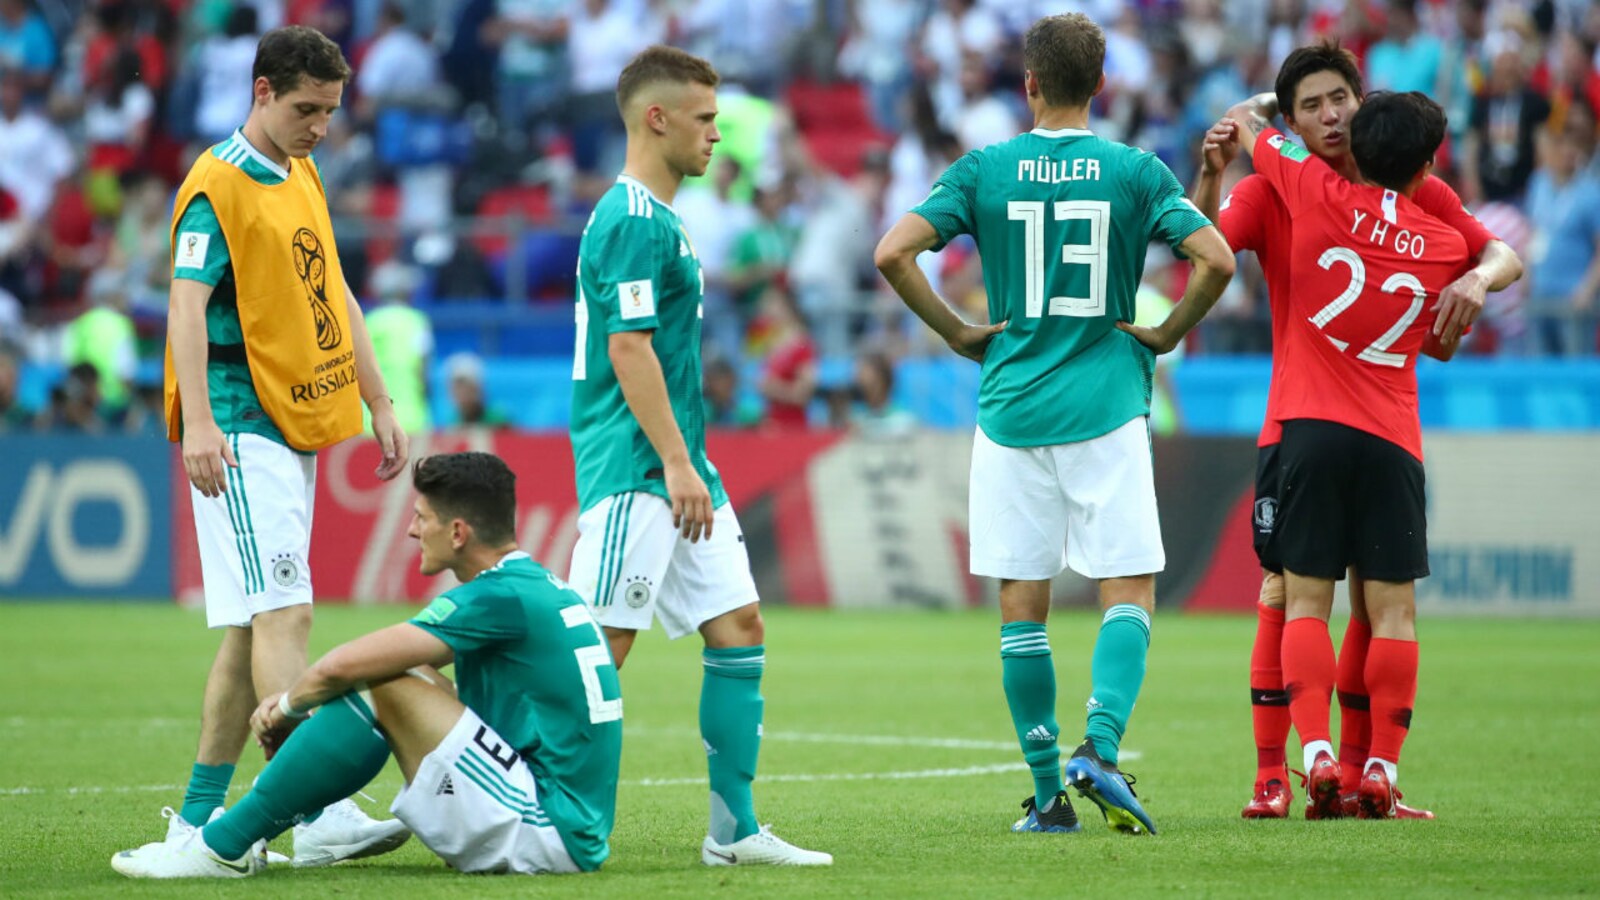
1377	352
1093	254
590	659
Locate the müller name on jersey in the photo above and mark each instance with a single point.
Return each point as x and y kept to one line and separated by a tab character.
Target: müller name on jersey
1045	170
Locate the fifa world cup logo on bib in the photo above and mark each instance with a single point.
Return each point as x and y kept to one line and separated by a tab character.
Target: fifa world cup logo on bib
312	266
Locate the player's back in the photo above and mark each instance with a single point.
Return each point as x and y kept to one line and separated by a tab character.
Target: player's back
545	683
1062	220
1366	266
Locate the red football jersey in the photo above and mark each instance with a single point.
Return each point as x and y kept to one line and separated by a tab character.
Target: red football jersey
1253	217
1365	264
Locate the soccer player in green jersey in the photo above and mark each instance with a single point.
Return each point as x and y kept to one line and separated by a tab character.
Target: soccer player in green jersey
1061	468
656	534
516	774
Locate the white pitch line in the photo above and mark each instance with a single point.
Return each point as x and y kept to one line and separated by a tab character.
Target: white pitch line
963	772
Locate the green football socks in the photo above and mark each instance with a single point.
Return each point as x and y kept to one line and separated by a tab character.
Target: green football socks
1117	672
329	757
730	726
1029	676
208	789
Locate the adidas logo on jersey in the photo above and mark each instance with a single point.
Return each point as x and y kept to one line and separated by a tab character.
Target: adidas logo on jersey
1040	733
446	786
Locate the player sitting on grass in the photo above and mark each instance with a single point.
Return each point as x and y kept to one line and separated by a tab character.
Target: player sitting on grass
1366	261
517	775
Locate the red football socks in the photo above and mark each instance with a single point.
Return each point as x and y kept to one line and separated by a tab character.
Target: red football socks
1269	704
1355	717
1392	684
1308	675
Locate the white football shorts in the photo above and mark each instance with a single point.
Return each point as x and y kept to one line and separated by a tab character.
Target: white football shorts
631	565
1090	505
255	539
474	803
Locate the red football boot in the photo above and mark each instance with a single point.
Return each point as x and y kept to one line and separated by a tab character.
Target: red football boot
1271	800
1322	789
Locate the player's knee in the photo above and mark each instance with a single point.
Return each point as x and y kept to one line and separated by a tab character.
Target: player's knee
1272	590
288	622
742	627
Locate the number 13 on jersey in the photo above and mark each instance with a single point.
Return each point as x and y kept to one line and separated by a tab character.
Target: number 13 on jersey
1031	213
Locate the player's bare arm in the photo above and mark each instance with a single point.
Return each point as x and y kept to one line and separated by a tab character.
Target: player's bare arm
645	390
896	258
385	427
1219	150
377	657
1252	117
1213	269
206	455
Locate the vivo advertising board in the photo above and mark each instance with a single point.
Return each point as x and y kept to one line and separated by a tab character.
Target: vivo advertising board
85	517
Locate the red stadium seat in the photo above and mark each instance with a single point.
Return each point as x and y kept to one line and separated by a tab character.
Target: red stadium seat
530	201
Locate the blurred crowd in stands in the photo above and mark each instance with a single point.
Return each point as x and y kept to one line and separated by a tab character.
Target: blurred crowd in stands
476	134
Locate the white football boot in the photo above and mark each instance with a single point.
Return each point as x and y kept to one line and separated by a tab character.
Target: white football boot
187	857
344	832
760	849
178	829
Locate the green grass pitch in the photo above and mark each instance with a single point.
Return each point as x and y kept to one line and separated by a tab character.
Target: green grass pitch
888	744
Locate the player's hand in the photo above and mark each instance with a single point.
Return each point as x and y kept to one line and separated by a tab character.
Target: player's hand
1458	306
207	458
1221	146
1154	338
270	725
691	501
392	438
972	341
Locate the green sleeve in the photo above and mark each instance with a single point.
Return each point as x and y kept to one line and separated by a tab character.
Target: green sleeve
200	252
950	205
627	263
1170	216
469	621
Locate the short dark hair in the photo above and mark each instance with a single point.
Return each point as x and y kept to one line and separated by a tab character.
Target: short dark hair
1393	136
478	488
1067	54
1309	60
659	63
286	55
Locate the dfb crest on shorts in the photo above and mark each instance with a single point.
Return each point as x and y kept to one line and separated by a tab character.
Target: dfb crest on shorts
285	571
1266	513
637	592
311	264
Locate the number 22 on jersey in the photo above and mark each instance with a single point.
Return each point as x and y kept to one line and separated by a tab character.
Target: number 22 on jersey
1377	352
1031	213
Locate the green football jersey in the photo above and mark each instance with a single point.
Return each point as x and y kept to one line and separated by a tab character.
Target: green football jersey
637	271
534	665
1062	220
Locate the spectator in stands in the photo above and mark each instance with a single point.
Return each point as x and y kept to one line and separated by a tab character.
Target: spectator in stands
116	119
1407	58
402	342
34	155
398	68
223	64
74	404
750	40
1564	268
714	220
1463	64
465	373
789	375
983	118
956	28
760	255
26	44
103	337
1498	156
876	415
12	416
141	248
726	406
533	71
604	36
834	251
877	52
